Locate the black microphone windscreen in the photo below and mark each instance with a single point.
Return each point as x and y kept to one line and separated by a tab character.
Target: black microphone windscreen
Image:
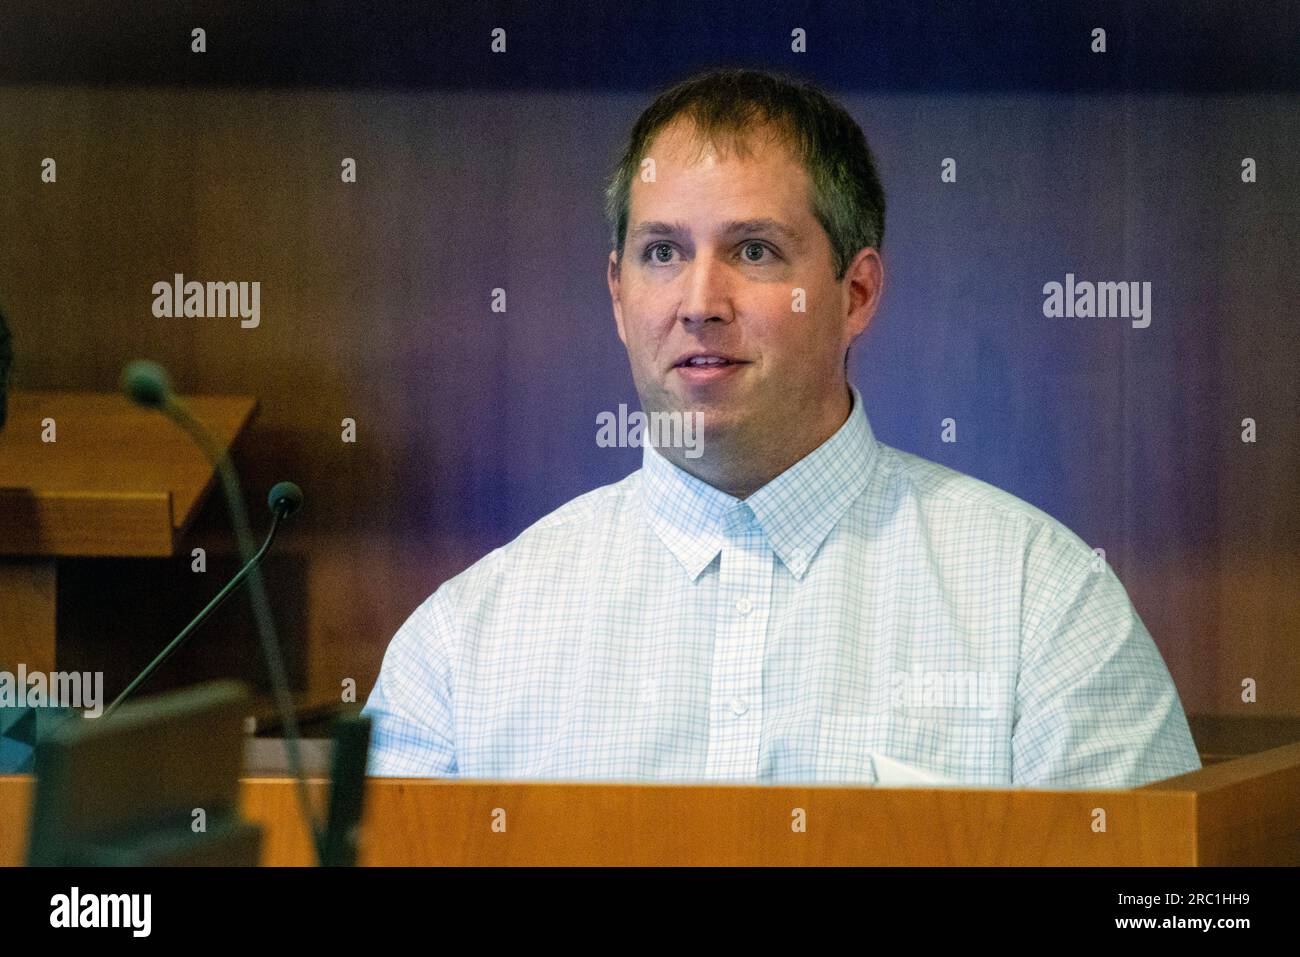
285	497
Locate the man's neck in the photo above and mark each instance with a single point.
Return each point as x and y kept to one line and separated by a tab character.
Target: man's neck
741	469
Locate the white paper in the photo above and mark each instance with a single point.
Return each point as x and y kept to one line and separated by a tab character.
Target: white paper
893	773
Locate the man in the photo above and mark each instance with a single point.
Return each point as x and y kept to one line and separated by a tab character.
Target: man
799	601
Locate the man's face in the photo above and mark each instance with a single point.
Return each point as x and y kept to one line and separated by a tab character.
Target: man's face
707	298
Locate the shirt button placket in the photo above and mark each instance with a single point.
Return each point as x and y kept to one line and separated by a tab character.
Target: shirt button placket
737	687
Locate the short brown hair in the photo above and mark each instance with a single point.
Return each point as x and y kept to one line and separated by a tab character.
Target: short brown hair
724	104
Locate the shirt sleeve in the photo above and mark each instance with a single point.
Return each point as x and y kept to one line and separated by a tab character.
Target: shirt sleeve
1096	706
413	730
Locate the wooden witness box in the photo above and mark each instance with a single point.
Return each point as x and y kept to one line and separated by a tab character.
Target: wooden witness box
1240	812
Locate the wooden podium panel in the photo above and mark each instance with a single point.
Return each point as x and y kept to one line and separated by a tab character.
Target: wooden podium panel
452	824
117	481
38	522
1247	809
1240	812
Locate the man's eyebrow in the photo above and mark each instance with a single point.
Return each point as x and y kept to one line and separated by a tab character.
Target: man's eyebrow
764	224
654	227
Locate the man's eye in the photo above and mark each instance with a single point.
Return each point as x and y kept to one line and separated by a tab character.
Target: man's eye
651	252
751	252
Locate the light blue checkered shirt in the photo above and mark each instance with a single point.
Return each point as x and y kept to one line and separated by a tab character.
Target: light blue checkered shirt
864	602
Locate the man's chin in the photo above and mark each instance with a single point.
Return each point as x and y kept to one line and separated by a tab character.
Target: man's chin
716	424
715	413
708	416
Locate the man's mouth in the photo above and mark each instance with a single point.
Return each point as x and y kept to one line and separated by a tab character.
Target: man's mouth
705	370
706	361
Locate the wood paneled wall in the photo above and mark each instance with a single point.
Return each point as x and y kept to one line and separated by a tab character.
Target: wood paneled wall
471	424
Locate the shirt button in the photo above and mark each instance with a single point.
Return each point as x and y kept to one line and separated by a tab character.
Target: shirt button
744	606
739	706
798	557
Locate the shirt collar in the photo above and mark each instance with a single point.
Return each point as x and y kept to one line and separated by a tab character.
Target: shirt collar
796	510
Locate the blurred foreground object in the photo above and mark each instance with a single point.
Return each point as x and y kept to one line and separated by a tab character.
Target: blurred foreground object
155	785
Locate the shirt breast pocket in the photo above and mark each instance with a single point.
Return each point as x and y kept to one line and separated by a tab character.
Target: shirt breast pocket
844	746
845	743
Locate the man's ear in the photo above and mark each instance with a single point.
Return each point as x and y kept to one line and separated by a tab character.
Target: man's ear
615	293
863	285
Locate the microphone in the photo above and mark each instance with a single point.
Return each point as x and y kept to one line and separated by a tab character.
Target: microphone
147	384
284	500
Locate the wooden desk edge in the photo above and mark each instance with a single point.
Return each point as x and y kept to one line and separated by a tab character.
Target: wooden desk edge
1247	810
1242	812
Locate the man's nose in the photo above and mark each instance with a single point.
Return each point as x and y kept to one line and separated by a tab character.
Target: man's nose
707	292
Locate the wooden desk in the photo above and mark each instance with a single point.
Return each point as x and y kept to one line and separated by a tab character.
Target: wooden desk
118	481
1244	811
